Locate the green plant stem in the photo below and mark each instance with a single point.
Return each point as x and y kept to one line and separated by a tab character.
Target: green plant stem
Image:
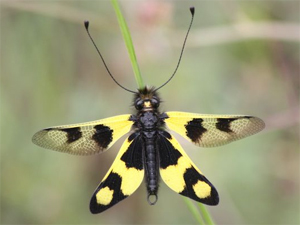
129	45
194	211
206	214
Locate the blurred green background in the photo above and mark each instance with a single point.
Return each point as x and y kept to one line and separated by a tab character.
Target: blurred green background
242	57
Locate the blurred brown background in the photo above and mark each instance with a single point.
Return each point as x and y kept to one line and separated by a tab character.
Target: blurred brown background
242	57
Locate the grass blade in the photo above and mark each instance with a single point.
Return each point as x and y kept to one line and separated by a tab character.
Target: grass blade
206	215
128	42
195	212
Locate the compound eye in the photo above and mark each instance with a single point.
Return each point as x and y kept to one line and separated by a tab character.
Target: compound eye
155	102
139	104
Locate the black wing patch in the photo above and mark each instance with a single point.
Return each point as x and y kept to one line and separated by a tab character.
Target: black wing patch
84	138
223	124
181	175
123	178
195	182
213	130
73	134
103	135
195	130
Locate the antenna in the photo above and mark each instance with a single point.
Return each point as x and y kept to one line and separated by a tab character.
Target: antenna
86	25
192	9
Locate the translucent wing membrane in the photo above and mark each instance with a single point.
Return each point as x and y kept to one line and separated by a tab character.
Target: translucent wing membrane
123	178
84	138
181	175
213	130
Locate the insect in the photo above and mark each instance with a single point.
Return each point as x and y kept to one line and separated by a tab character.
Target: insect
149	151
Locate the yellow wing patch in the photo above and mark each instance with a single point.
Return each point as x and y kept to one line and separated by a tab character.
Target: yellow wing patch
202	189
181	175
84	138
123	178
104	196
213	130
173	174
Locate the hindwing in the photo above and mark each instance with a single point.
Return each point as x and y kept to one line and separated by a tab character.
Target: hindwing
181	175
123	178
213	130
84	138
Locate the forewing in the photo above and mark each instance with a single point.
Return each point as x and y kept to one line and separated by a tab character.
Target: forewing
84	138
181	175
123	178
213	130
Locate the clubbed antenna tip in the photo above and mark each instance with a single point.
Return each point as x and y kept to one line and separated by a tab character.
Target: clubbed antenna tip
192	9
86	24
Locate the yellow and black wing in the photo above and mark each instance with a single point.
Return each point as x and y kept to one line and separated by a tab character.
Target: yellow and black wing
123	178
213	130
181	175
84	138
